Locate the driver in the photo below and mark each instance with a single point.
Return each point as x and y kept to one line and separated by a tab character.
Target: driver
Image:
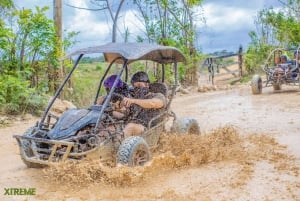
145	105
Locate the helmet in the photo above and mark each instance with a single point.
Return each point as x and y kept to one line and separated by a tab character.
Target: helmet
284	57
140	76
109	81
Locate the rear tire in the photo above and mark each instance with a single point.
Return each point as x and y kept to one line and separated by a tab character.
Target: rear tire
256	84
185	126
134	151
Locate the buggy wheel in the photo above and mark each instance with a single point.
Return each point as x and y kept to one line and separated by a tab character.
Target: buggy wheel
134	151
185	126
26	149
277	87
256	84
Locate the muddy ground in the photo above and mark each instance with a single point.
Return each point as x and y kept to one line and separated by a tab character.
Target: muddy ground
249	149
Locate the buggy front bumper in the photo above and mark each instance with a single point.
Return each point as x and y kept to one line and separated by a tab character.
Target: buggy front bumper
56	151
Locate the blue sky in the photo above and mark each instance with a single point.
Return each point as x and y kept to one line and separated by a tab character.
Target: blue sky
227	22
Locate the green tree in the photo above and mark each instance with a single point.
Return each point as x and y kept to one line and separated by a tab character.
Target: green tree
28	51
6	5
31	39
171	22
273	28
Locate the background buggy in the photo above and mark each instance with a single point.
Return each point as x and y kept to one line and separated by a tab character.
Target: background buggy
278	73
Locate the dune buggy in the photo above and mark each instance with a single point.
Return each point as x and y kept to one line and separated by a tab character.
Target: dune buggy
93	132
278	72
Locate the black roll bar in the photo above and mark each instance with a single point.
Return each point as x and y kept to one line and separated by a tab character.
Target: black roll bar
59	91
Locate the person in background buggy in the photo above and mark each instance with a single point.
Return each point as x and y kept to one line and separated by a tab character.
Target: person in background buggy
287	67
296	63
296	58
284	65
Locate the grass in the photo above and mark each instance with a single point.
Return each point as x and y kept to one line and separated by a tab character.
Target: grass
85	83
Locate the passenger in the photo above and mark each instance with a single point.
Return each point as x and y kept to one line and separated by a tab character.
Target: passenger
145	105
296	65
121	89
108	83
296	58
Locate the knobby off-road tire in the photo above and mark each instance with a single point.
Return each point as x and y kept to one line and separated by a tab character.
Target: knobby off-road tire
28	151
256	84
185	126
134	151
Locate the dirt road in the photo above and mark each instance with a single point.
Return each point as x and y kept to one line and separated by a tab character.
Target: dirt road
249	150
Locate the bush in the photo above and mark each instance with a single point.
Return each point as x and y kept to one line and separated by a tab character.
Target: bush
35	104
16	97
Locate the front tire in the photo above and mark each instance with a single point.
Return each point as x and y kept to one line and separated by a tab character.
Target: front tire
256	84
134	151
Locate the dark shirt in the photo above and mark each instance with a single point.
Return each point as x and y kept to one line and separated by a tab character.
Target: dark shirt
143	116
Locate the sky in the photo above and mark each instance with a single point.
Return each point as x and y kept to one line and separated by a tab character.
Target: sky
226	27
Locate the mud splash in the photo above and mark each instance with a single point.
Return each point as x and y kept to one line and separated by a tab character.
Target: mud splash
179	152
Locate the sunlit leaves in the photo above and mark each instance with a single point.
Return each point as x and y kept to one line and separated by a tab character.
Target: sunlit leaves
274	28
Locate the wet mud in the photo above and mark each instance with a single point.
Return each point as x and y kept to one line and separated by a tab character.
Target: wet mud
248	150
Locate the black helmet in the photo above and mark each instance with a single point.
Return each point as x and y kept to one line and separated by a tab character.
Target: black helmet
284	57
140	76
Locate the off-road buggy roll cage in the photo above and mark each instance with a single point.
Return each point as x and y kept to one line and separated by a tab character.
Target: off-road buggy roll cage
49	142
124	53
278	74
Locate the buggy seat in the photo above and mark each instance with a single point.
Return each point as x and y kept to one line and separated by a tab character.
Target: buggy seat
153	131
159	87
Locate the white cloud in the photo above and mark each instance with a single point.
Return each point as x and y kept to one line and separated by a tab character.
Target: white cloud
135	25
220	18
86	22
227	22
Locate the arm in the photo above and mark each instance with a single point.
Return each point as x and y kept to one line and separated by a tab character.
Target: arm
100	100
153	103
118	115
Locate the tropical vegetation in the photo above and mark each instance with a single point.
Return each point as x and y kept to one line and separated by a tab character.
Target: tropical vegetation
30	50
